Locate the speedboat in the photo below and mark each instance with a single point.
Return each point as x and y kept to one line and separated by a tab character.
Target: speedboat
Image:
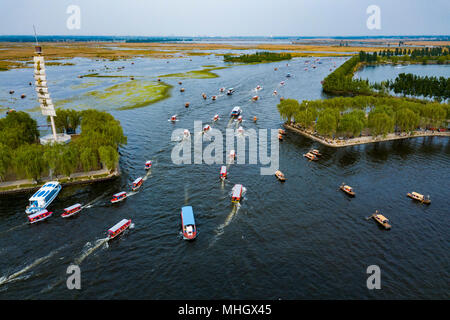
213	98
216	117
188	223
236	194
230	91
288	75
239	119
148	165
275	92
119	197
206	128
186	104
182	90
222	89
204	96
235	112
173	118
118	228
43	197
70	211
39	216
255	98
223	172
137	184
258	87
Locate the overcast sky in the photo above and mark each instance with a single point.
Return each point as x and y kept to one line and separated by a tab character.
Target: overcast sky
225	17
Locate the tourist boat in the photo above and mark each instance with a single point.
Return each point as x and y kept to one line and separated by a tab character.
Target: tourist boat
235	112
316	152
347	189
206	128
39	216
216	117
255	98
236	194
70	211
280	175
137	184
204	96
173	118
119	197
233	154
118	228
311	156
213	98
43	197
148	165
239	119
188	223
419	197
382	220
230	91
186	133
223	172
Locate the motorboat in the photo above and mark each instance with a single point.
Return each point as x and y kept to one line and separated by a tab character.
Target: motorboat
223	172
118	228
236	112
188	223
148	165
72	210
119	197
137	184
236	194
39	216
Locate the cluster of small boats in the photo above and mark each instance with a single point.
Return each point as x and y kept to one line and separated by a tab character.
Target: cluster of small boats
313	155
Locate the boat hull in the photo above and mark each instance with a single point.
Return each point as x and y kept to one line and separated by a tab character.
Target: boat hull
349	193
42	219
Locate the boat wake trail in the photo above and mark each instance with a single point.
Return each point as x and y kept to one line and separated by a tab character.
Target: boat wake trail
91	203
15	276
90	249
220	229
14	228
148	174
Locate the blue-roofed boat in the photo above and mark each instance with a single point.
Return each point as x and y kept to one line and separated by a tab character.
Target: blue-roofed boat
188	223
43	197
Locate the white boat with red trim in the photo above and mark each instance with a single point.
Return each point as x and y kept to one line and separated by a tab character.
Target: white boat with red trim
148	165
236	194
70	211
119	197
39	216
137	184
118	228
223	172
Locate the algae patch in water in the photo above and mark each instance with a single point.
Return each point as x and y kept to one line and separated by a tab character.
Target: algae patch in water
123	96
196	74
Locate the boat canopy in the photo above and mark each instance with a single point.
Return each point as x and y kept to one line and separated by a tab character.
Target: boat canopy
237	191
119	194
34	215
72	207
44	191
187	215
118	225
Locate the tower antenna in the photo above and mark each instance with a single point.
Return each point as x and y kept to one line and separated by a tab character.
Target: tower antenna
35	35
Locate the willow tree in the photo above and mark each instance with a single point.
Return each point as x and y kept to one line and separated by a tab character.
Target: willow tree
287	108
28	161
5	160
406	120
18	128
108	157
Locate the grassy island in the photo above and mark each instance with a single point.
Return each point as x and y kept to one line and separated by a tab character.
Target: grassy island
94	149
257	57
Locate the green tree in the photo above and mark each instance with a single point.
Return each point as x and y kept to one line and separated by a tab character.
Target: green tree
108	157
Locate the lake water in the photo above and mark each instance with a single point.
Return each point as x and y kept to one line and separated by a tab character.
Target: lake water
302	239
